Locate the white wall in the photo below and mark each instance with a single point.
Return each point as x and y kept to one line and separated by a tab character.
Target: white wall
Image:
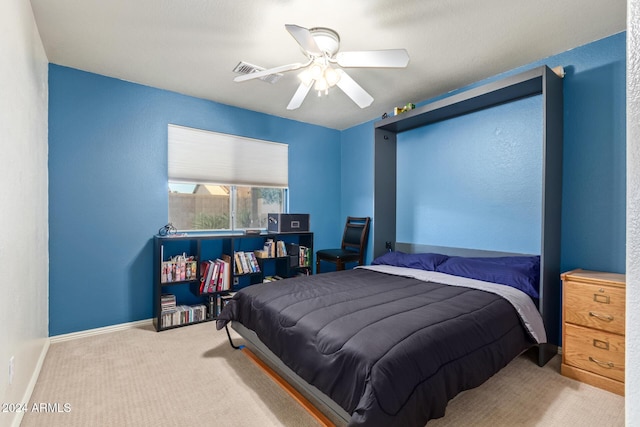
632	380
24	253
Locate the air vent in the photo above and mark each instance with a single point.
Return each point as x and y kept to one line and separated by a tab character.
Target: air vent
246	68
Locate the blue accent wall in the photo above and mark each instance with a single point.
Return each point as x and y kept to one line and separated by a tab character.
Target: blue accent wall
357	176
108	187
594	162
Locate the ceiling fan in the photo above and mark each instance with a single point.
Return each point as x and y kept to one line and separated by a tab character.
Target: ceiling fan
321	47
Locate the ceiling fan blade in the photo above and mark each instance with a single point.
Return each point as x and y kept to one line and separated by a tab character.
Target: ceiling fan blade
298	97
354	90
304	38
258	74
390	58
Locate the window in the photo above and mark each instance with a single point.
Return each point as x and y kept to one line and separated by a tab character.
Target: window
224	182
210	207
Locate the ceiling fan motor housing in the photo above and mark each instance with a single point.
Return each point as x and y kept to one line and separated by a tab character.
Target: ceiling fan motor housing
328	41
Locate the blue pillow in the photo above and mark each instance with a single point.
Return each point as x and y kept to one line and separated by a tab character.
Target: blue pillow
520	272
510	260
426	261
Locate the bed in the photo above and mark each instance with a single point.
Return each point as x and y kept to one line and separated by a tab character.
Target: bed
392	343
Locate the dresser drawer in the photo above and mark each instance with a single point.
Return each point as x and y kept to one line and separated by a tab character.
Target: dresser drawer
594	351
595	306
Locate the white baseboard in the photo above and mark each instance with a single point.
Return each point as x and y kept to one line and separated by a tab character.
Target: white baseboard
17	419
99	331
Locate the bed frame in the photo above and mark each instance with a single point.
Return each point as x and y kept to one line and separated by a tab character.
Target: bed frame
315	397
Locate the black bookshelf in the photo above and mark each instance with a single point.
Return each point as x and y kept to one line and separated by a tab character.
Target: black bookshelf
190	304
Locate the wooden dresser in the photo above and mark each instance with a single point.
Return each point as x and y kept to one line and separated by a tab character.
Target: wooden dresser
593	328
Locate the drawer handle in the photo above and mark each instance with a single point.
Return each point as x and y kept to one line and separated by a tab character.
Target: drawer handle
600	344
602	299
608	365
607	317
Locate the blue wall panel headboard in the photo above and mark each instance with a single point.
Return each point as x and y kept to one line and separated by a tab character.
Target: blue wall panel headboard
473	181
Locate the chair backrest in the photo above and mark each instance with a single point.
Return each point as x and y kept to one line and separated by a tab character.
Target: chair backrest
355	234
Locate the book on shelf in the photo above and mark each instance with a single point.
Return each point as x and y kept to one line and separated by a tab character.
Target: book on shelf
191	270
183	314
270	248
261	253
213	280
182	270
205	276
241	262
215	275
167	302
281	249
222	278
178	268
273	249
212	308
246	262
219	275
304	256
253	262
238	263
226	272
218	307
245	265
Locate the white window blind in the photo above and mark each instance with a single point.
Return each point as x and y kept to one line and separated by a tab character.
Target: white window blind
197	155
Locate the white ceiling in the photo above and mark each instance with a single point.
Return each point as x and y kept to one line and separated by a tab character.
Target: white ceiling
192	46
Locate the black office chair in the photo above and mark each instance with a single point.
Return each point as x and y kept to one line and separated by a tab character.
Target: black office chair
354	243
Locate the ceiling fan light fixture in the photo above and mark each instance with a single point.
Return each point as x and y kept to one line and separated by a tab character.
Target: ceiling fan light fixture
321	76
331	76
305	77
316	71
321	85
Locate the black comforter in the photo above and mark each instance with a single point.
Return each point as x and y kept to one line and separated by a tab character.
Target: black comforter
390	350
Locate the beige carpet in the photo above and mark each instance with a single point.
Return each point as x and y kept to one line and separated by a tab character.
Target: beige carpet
191	376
